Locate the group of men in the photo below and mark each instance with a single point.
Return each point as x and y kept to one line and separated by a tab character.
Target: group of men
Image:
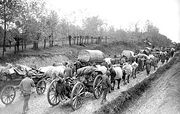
27	82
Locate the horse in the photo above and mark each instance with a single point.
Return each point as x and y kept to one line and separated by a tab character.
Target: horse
148	66
116	74
128	71
134	67
53	71
101	69
108	61
162	57
154	62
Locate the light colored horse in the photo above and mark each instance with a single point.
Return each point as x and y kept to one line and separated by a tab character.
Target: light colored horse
53	71
102	69
128	70
108	60
116	74
134	66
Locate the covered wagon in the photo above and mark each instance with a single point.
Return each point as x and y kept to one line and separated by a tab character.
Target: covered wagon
91	56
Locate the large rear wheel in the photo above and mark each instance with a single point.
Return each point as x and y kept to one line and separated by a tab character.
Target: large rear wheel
77	95
8	94
97	87
52	95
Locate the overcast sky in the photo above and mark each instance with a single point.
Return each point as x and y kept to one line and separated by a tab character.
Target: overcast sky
165	14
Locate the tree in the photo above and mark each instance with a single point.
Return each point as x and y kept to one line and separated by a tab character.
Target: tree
32	20
92	25
150	27
9	10
154	37
52	22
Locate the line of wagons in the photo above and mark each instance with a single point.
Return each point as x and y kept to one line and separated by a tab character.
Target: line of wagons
60	90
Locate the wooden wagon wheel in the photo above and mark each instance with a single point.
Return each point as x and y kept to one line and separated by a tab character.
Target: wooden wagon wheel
41	87
8	94
77	95
97	87
52	95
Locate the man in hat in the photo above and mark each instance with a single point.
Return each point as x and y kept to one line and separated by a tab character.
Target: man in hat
106	86
25	86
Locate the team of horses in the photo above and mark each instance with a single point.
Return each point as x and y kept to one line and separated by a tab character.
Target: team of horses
120	68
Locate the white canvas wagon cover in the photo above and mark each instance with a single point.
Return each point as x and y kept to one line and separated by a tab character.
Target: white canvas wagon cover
91	56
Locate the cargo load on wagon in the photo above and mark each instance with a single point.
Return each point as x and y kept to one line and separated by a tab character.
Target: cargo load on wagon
91	56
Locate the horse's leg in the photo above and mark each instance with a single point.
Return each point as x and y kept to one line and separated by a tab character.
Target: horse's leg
118	80
128	78
124	77
113	85
135	71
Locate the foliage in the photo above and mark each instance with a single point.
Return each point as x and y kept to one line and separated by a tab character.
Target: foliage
93	25
35	24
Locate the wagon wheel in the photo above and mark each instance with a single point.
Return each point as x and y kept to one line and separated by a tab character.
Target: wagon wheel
41	87
77	95
97	87
8	94
52	95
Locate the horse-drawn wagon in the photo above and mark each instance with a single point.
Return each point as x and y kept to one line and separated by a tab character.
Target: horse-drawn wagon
8	93
86	79
91	56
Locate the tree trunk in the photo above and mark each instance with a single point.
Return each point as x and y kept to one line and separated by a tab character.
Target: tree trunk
69	40
18	46
35	45
22	46
25	44
74	40
9	44
4	40
52	39
106	39
15	49
77	40
44	43
87	39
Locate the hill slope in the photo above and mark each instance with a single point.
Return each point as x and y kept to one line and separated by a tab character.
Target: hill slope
48	56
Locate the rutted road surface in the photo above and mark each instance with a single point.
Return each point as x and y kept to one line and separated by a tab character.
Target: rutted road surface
39	105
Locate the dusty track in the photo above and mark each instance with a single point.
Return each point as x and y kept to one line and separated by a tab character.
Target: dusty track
40	105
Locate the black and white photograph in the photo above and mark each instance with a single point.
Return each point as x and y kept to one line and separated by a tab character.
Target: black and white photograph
89	56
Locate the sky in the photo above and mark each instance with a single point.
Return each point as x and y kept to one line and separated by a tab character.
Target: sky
164	14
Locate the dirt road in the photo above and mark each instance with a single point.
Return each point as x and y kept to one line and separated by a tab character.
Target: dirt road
40	105
163	97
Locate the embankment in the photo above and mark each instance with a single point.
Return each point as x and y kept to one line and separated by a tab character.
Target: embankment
129	97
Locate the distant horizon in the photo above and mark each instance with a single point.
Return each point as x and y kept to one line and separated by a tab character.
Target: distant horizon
164	14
